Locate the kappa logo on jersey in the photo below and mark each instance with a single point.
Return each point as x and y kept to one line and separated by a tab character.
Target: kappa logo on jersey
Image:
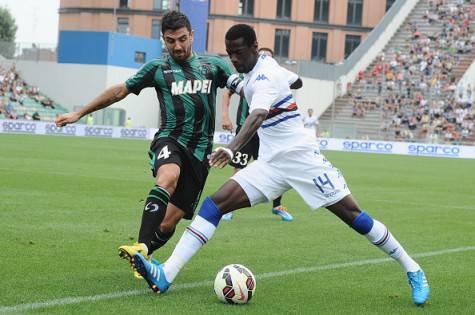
191	87
261	77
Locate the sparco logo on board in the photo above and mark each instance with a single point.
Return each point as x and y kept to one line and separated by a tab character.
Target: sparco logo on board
434	150
225	138
98	131
51	129
133	133
19	126
323	143
368	146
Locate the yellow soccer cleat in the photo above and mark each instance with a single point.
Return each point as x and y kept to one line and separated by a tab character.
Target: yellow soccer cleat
127	252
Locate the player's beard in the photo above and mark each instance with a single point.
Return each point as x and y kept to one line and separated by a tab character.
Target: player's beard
182	54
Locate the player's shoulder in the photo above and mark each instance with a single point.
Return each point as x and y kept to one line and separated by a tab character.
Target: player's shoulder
266	71
266	59
165	58
154	63
212	59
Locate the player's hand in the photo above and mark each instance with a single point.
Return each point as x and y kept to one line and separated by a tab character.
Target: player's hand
220	157
67	119
227	124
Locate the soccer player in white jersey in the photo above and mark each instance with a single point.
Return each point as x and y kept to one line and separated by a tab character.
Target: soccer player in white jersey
290	159
311	122
251	150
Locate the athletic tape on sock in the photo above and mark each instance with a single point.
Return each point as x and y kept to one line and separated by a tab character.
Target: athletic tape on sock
210	212
363	223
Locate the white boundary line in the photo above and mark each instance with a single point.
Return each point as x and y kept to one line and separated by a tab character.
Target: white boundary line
113	295
424	204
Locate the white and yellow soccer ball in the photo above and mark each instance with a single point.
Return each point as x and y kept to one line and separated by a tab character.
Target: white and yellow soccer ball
235	284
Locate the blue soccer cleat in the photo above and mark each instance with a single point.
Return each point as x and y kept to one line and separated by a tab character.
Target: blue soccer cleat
152	272
227	216
283	213
419	286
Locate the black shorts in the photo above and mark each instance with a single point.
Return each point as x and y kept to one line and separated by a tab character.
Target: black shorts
193	172
250	150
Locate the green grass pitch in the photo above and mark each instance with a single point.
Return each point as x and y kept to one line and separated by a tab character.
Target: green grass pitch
66	204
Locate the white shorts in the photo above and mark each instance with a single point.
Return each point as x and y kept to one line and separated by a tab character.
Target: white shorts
307	171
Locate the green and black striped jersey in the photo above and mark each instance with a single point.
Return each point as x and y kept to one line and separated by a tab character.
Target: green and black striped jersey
243	109
242	112
187	96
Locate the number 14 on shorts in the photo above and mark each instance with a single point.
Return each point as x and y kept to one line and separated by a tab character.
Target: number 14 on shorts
322	181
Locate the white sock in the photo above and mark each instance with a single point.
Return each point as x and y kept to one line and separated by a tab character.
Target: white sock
380	236
194	237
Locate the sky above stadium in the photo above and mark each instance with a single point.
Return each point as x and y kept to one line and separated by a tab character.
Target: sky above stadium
37	20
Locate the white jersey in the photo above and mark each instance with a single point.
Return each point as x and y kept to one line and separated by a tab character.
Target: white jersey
289	156
310	122
266	86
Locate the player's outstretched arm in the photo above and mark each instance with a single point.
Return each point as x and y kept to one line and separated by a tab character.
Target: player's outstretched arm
222	156
226	123
108	97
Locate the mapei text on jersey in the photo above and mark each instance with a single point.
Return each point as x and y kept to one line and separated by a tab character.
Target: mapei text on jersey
191	87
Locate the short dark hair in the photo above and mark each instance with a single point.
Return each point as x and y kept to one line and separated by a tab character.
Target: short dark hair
173	20
242	31
266	49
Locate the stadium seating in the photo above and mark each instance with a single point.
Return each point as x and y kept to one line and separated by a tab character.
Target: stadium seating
379	105
24	102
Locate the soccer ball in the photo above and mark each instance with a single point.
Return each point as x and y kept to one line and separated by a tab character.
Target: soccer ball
235	284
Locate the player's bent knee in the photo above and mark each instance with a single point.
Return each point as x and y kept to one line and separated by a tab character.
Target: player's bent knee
170	187
230	197
167	177
346	209
168	181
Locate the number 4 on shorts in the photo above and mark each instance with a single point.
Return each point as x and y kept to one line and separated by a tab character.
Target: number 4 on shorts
164	153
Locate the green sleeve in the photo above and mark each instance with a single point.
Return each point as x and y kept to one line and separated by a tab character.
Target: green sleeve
144	78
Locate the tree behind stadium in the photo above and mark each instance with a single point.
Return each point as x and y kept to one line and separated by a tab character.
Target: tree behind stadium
8	30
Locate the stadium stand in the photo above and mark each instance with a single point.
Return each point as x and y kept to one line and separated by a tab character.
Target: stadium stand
410	92
18	100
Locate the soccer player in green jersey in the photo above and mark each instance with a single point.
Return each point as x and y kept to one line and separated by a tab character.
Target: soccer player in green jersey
250	150
186	85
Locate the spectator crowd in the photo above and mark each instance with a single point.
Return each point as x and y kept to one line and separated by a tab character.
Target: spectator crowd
18	100
415	87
